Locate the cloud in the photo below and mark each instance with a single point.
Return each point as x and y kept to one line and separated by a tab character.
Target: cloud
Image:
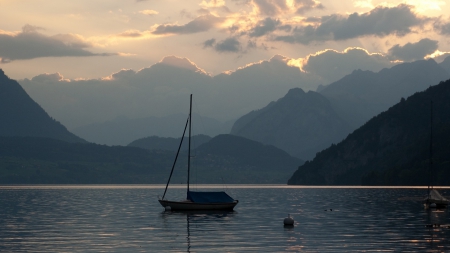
30	44
306	5
438	56
413	51
443	28
270	7
209	43
278	7
251	44
364	4
56	77
131	34
212	3
381	21
230	45
264	26
331	65
199	24
149	12
31	28
181	63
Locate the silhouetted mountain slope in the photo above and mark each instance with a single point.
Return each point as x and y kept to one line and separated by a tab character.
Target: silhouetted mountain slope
235	159
392	148
446	64
122	131
300	123
167	143
35	160
247	118
227	159
21	116
363	94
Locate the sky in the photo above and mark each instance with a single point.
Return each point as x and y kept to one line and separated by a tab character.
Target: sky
74	44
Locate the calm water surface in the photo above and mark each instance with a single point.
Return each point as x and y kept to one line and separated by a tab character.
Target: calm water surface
130	219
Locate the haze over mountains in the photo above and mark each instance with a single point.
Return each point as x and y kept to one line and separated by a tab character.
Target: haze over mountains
168	143
163	88
122	130
305	123
363	94
97	109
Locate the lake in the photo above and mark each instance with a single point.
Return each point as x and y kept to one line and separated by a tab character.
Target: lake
128	218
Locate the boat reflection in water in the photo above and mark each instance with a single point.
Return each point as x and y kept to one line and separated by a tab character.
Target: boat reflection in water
199	224
436	225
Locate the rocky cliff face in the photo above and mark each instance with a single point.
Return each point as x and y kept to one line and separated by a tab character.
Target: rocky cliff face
300	123
389	141
21	116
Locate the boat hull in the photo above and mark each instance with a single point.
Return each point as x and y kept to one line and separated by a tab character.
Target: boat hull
437	202
434	197
187	205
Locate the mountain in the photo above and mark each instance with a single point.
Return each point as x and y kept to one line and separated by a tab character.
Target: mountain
300	123
35	160
21	116
363	94
233	159
390	149
163	89
168	143
122	131
225	159
446	64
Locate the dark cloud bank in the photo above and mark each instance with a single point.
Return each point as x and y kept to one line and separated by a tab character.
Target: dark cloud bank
413	51
30	44
381	21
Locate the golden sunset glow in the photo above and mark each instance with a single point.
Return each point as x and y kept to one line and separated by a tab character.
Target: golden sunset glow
217	35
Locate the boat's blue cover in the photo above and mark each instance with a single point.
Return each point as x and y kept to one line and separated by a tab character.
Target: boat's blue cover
209	197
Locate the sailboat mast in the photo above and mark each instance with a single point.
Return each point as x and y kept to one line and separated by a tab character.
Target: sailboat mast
430	185
189	148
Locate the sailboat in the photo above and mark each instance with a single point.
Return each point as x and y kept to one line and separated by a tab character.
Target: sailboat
196	200
434	198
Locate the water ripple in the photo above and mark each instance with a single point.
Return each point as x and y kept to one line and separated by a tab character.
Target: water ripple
129	219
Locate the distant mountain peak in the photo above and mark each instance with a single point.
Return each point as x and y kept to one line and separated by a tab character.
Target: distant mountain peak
295	93
446	60
358	71
299	123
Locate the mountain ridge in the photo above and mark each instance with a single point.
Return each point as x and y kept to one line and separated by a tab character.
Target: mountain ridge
300	123
22	116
